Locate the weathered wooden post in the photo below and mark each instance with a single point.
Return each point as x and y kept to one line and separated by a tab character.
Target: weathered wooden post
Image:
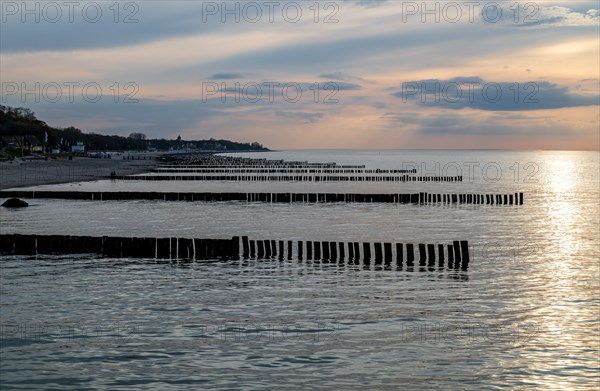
410	255
464	249
422	255
399	256
356	253
260	244
245	247
333	251
457	256
387	249
431	256
326	251
367	253
440	256
378	253
450	256
280	251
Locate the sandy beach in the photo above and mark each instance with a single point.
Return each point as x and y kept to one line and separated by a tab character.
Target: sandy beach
21	173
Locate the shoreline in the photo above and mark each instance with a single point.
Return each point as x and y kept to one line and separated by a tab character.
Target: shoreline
27	173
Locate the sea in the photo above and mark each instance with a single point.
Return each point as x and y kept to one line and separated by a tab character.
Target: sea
525	315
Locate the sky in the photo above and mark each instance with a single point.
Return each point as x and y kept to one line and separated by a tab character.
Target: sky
376	74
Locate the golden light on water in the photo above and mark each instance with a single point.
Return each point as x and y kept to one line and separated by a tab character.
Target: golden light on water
563	212
562	174
564	269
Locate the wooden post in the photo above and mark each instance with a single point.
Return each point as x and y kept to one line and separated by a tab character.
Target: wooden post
464	249
326	251
317	246
410	255
356	253
440	256
431	256
367	253
260	253
457	256
450	256
378	253
422	255
387	249
399	256
245	247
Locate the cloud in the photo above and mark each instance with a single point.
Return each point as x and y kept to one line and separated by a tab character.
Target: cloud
560	16
367	3
308	118
226	76
98	25
473	92
473	124
333	76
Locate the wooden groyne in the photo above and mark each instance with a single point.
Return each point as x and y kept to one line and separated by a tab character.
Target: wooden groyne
290	178
212	160
271	170
422	198
453	255
119	247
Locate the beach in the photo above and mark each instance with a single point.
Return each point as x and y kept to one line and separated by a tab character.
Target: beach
21	173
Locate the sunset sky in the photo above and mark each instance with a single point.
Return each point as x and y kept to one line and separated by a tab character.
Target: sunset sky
389	74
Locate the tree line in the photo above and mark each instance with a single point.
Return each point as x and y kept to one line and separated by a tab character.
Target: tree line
20	121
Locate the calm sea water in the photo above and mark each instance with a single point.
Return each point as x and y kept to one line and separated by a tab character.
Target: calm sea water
526	315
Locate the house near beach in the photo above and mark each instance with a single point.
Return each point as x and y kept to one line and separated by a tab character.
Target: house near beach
26	143
78	148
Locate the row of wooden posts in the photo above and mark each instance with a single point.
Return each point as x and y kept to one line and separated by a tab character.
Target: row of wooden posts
270	170
261	165
413	198
290	178
215	161
451	256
